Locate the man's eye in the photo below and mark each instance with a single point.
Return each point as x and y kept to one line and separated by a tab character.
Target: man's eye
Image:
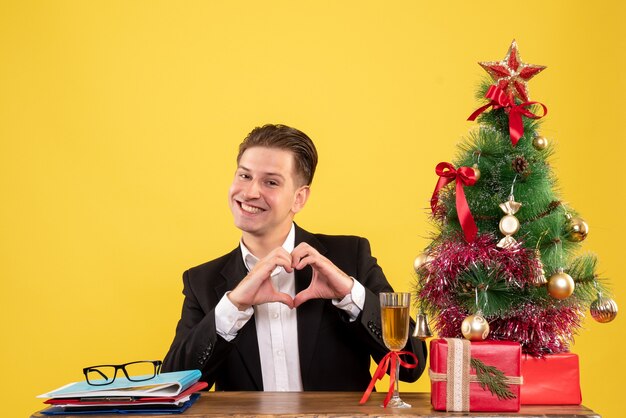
244	176
272	183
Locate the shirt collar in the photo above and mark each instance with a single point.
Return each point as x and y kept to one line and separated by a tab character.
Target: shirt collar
250	259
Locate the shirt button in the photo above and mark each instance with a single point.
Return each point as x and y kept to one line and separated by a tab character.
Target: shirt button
275	315
280	352
240	324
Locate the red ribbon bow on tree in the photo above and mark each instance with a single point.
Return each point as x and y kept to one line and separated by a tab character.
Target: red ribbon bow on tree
464	176
499	99
391	358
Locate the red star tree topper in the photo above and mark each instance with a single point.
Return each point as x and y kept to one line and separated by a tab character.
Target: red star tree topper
511	74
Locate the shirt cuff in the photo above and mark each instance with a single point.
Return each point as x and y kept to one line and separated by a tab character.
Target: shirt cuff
228	319
353	302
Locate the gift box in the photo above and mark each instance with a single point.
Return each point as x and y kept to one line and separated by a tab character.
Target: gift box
551	380
457	368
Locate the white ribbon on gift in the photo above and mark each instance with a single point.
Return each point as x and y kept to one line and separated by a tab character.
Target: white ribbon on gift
457	387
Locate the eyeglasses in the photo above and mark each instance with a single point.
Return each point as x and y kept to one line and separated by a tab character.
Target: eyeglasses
136	371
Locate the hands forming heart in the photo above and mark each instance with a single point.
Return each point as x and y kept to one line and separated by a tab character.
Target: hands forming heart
328	281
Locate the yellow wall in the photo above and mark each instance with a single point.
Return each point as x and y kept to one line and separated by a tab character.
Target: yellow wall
119	122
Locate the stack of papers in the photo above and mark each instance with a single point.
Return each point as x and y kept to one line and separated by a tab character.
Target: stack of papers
166	393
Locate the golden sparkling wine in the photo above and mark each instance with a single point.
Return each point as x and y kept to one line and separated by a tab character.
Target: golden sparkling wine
395	321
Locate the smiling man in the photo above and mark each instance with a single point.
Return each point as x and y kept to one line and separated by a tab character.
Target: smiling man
287	310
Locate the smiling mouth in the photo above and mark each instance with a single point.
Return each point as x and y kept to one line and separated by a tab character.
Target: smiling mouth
250	209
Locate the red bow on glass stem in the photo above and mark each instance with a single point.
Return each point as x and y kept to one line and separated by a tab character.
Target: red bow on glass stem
391	358
464	176
499	99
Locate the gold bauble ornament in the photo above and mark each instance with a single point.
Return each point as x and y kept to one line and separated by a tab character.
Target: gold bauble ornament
561	285
476	171
603	309
421	261
540	143
577	229
475	327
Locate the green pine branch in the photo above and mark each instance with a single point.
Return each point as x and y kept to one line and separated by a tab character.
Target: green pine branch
495	295
491	378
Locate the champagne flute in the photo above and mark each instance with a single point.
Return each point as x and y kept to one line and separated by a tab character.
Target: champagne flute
395	320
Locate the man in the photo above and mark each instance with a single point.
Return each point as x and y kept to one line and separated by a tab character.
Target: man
286	310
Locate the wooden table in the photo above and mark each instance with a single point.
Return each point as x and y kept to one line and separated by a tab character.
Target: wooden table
337	404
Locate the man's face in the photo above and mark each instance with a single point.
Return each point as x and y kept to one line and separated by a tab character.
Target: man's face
265	193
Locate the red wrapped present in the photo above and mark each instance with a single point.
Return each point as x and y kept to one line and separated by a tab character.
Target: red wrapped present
551	380
457	375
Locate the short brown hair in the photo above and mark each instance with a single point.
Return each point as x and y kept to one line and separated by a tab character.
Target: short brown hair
285	138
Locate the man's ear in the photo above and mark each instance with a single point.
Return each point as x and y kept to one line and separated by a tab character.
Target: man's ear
302	195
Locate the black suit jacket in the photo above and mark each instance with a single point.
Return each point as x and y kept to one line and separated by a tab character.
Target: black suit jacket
334	352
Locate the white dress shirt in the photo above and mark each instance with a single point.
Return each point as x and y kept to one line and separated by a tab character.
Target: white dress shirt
276	324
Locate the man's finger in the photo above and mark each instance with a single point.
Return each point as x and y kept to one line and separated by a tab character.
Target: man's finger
303	296
303	256
285	298
301	263
284	261
267	265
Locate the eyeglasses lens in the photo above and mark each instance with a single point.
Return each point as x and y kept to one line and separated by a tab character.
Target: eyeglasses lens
140	370
102	375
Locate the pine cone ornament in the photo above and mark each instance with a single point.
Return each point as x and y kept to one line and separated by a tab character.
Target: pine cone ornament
520	165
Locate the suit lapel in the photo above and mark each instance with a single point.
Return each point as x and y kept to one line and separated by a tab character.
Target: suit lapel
246	342
309	314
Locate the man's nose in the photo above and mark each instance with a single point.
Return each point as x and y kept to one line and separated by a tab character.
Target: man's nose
252	191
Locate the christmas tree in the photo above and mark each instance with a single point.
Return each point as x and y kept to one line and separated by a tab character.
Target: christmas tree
504	263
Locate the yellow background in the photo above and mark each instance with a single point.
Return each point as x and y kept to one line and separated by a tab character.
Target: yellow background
119	123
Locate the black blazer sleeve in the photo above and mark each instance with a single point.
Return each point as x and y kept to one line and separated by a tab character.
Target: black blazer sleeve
196	344
369	323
